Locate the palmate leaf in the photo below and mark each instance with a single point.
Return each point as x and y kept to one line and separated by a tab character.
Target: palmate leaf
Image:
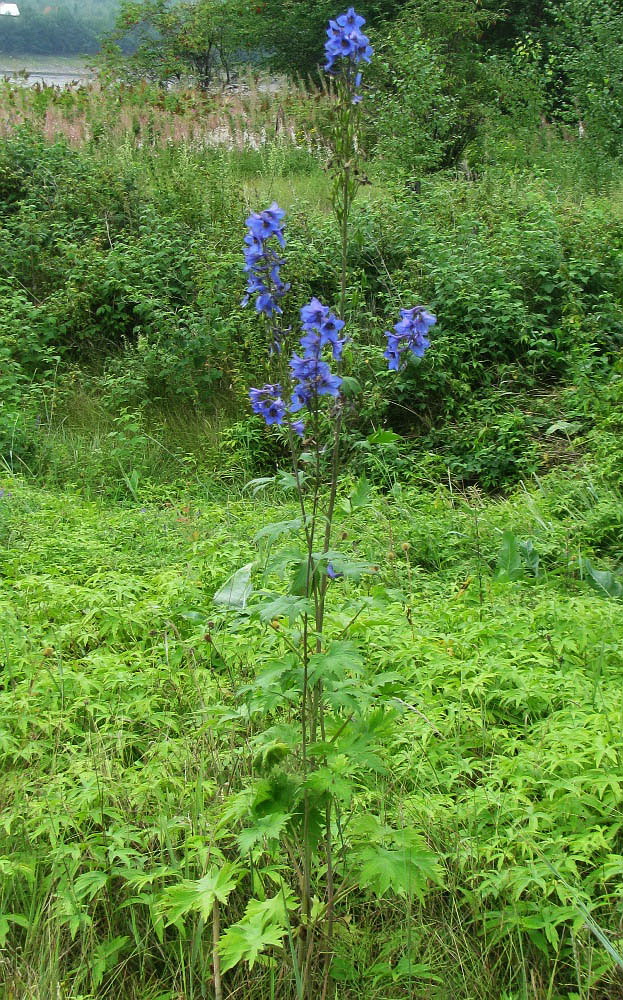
360	497
287	606
331	781
344	565
401	871
342	658
271	532
264	925
89	884
383	438
265	828
199	896
401	864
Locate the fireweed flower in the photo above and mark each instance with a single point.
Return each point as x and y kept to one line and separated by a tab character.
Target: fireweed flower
262	263
410	334
268	403
345	40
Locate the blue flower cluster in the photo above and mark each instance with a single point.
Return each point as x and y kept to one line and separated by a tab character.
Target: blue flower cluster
321	328
268	403
312	377
410	334
262	262
346	41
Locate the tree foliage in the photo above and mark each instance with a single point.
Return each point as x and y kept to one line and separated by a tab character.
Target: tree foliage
197	38
66	28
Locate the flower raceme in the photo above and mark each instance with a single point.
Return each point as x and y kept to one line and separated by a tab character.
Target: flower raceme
267	403
345	40
314	379
311	376
321	328
410	334
262	262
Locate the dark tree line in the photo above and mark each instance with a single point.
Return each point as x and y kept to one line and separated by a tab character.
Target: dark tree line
49	28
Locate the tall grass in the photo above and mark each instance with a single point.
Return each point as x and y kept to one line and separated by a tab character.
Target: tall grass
248	116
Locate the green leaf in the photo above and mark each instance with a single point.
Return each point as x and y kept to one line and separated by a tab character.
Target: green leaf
509	565
341	658
383	438
255	485
404	870
354	569
105	955
530	557
302	574
263	926
287	481
188	897
271	532
566	427
6	919
360	497
329	780
602	580
265	828
89	884
237	590
350	386
287	606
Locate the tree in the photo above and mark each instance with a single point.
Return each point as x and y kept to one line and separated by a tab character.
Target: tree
163	41
431	83
583	44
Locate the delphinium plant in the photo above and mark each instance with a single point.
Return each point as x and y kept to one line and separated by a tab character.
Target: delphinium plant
317	720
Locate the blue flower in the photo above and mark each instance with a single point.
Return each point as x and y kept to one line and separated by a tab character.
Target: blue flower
298	427
350	20
410	334
314	379
263	225
267	403
321	328
313	314
346	41
262	263
332	573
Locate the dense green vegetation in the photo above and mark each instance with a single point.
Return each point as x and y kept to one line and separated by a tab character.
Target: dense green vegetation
468	745
65	28
501	744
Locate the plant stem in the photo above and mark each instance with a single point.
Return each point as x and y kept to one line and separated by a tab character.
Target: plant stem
216	958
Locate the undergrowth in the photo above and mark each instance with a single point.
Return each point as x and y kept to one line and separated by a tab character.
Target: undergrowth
500	743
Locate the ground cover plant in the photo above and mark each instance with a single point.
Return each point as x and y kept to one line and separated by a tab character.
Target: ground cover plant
497	745
312	634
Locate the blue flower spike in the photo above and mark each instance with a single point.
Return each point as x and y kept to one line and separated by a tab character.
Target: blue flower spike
262	262
345	40
410	334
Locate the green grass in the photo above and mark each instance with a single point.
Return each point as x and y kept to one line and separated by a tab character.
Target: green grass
504	753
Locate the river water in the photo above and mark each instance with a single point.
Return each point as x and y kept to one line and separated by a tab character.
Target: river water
49	71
